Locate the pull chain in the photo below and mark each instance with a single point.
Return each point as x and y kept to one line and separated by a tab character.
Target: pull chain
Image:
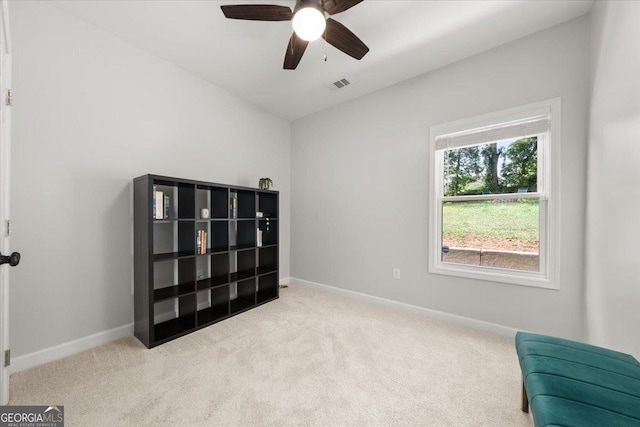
325	46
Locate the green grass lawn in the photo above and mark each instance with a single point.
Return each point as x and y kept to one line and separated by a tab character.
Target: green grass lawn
512	221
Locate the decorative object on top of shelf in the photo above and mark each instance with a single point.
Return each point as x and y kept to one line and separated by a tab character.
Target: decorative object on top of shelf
259	214
265	183
204	213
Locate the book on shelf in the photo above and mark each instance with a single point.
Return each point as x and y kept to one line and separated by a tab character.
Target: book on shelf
166	206
258	237
234	207
201	241
153	209
159	205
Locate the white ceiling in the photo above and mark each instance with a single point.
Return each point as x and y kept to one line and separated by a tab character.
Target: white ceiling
406	38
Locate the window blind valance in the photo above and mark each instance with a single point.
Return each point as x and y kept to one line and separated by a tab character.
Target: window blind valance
519	129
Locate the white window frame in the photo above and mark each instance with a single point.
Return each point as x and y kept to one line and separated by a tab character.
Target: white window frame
548	194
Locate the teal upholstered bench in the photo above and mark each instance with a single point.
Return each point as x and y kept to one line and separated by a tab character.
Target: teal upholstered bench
567	383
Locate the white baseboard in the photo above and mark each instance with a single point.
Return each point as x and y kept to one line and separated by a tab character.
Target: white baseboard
67	349
467	322
72	347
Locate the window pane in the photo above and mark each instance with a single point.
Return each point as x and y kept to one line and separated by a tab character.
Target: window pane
508	166
492	233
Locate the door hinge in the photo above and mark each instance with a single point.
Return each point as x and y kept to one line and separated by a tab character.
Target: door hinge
7	358
9	97
8	228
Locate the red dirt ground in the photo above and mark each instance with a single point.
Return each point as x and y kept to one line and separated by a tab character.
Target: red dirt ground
483	242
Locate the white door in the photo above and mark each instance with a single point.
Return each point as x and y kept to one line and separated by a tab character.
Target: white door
5	154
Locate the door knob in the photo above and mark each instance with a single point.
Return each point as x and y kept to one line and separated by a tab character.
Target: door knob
12	260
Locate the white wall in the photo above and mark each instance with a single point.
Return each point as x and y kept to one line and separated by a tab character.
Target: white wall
613	232
360	182
91	112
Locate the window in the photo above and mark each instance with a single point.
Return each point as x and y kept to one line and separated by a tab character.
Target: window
493	198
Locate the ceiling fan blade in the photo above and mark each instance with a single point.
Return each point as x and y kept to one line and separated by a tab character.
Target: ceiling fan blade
295	50
336	6
341	38
257	12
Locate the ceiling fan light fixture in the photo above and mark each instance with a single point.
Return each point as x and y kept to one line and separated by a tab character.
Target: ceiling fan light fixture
309	23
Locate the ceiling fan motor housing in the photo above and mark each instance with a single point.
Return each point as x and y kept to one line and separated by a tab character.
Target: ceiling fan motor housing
301	4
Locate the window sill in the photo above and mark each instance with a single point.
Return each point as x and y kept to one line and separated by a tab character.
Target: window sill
536	280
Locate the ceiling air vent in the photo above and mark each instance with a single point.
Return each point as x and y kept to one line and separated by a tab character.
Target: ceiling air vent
339	84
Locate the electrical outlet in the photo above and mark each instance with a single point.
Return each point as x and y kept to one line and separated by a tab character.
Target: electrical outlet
396	273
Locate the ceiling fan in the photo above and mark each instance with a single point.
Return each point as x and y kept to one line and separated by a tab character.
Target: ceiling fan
309	23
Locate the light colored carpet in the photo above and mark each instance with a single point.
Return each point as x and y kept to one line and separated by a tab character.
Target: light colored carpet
309	358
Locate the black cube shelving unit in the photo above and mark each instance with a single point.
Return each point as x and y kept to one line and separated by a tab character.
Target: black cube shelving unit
178	287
